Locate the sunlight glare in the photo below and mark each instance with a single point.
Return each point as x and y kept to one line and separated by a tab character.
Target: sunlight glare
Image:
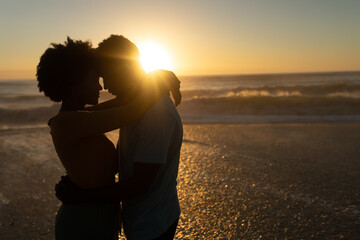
154	56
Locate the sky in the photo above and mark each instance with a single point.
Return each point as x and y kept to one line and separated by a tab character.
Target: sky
202	37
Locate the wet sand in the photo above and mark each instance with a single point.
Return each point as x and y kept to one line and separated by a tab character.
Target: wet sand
236	181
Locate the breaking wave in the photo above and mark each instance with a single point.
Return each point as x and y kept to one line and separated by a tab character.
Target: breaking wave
270	105
337	89
28	115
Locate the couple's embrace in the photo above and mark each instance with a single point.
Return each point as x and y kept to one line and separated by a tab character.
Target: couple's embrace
147	154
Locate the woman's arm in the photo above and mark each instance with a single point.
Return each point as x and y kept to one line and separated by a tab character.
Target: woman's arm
87	123
164	80
112	103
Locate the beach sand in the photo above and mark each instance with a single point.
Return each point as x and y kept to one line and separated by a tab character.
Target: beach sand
236	181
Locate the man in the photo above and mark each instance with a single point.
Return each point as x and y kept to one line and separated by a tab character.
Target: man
149	149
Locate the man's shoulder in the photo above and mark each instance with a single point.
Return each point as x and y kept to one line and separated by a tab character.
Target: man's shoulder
162	110
162	107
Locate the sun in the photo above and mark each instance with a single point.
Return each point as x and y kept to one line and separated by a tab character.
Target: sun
154	56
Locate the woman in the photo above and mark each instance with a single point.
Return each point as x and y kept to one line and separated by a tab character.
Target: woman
67	73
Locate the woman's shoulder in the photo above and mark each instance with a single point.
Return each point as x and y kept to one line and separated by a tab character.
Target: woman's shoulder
63	121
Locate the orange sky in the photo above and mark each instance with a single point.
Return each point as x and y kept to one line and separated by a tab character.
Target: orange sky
202	37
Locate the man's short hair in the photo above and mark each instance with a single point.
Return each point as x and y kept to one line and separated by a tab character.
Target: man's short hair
64	65
119	57
118	47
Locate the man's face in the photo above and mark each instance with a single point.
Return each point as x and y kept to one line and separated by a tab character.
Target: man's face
121	79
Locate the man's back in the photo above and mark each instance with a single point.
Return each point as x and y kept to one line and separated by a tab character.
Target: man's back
157	139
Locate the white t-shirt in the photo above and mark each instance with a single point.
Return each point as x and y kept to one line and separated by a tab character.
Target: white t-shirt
156	138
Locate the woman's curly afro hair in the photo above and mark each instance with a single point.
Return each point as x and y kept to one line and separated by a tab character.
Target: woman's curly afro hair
64	65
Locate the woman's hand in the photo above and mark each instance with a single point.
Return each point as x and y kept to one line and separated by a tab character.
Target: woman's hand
174	87
167	81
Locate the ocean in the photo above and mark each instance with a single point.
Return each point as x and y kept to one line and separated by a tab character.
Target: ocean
295	180
264	98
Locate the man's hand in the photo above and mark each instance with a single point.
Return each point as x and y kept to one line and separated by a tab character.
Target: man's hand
67	192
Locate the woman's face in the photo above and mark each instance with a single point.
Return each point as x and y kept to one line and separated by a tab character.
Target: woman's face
89	89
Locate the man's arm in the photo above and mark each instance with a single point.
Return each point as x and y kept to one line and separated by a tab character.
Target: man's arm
138	185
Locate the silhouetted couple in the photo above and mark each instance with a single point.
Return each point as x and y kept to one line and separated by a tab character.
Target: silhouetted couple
148	150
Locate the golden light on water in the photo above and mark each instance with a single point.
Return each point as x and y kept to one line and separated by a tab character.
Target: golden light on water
154	56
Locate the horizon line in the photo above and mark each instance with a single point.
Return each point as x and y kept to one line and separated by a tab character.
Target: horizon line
227	74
